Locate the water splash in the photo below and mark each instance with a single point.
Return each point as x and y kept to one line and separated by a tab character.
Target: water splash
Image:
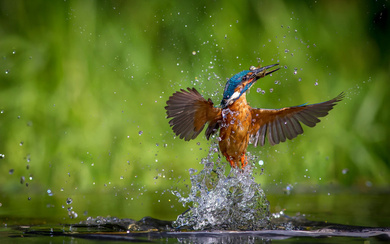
219	201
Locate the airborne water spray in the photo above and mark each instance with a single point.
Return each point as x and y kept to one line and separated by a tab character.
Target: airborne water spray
219	201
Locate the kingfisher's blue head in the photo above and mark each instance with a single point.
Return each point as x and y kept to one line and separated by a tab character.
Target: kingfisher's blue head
241	82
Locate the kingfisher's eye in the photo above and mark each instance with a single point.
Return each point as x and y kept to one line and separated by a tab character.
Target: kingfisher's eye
247	77
244	78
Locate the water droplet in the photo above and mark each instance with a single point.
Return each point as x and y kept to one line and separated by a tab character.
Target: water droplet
69	201
193	52
140	132
345	171
261	162
192	171
21	143
316	83
7	72
1	111
121	177
49	192
288	189
2	156
11	171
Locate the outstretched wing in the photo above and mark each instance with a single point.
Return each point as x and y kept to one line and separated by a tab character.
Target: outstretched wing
279	124
190	112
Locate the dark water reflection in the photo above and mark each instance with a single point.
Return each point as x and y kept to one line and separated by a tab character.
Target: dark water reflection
362	218
286	229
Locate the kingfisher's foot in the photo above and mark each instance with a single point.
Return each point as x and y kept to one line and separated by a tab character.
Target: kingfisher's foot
232	164
244	161
230	160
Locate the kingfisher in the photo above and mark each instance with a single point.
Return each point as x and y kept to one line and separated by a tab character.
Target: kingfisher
238	123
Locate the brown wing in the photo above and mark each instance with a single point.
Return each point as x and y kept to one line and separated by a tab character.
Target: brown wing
190	112
279	124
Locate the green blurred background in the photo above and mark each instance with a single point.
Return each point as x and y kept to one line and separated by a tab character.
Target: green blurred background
83	85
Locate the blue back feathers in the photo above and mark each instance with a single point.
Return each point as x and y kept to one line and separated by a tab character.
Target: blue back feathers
233	83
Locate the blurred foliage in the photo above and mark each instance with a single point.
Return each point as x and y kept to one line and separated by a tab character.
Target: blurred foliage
83	85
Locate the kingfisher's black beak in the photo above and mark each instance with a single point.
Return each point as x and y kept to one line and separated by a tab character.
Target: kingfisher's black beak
258	73
261	72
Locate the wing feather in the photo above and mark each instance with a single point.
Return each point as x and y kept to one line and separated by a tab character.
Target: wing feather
281	124
190	112
263	134
287	128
